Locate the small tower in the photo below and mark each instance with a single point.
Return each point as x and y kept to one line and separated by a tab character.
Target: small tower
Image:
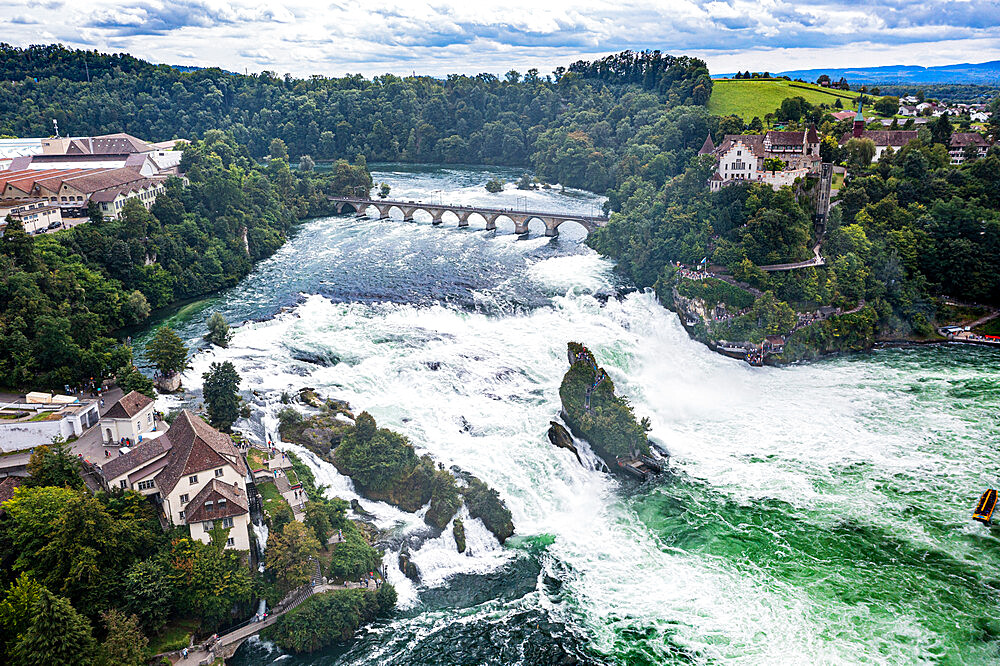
859	121
708	147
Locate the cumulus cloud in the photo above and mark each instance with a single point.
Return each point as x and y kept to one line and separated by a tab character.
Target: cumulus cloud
443	36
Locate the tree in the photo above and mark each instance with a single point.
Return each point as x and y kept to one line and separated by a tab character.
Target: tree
494	185
383	190
130	379
125	644
218	330
887	106
860	153
54	465
149	593
16	611
941	130
307	163
291	556
221	392
136	308
17	244
167	351
773	164
278	150
57	634
211	581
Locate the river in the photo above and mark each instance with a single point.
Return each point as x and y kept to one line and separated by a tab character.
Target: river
816	514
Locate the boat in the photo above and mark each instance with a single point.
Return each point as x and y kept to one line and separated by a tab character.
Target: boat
984	510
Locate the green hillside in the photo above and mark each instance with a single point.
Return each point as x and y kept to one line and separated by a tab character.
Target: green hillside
756	98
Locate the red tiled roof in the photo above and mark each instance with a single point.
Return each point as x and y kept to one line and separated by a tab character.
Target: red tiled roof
777	138
708	146
128	406
8	486
235	503
196	447
960	139
894	138
137	457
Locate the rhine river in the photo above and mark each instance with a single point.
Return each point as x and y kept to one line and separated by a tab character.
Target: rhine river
816	514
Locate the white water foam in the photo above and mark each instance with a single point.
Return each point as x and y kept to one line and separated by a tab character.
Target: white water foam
478	391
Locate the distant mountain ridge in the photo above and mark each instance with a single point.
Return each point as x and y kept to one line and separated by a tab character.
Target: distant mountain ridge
987	73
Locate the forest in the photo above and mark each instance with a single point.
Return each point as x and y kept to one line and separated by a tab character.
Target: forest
628	125
570	126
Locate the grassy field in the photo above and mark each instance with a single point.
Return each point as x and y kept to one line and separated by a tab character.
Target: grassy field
271	496
257	459
747	99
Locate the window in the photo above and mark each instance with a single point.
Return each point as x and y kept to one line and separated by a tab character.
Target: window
209	506
219	472
184	499
123	483
193	479
151	417
227	522
222	504
181	515
207	525
146	485
230	541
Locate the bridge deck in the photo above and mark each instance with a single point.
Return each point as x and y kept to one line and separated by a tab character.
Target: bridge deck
468	209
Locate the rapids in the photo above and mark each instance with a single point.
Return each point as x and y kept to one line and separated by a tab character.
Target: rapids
816	514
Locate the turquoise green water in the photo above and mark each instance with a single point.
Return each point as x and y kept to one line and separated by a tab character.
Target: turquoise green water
817	513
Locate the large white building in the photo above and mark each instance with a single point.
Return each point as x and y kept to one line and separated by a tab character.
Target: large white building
195	474
741	157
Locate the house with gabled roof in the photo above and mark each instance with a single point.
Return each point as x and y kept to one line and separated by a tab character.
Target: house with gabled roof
195	474
129	418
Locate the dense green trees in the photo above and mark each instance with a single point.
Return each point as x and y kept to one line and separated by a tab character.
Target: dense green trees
62	294
470	119
221	390
218	330
291	556
54	465
609	424
331	617
167	351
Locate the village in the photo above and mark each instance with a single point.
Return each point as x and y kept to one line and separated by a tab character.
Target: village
55	183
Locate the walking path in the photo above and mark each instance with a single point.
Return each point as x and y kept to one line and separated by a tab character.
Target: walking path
817	260
205	653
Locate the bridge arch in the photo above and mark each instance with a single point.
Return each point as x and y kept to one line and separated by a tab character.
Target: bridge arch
574	224
535	225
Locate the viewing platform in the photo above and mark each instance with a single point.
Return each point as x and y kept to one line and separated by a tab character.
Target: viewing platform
520	218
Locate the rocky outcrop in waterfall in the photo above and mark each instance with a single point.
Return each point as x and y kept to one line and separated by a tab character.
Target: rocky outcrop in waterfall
559	436
597	414
384	467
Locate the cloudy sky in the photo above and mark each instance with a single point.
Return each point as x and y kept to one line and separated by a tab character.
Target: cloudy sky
472	36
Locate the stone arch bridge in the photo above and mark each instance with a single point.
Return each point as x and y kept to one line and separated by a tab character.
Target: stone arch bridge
520	218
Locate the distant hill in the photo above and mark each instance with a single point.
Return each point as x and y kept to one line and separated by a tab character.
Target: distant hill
987	73
747	98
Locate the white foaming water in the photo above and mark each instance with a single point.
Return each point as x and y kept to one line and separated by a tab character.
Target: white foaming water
478	392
